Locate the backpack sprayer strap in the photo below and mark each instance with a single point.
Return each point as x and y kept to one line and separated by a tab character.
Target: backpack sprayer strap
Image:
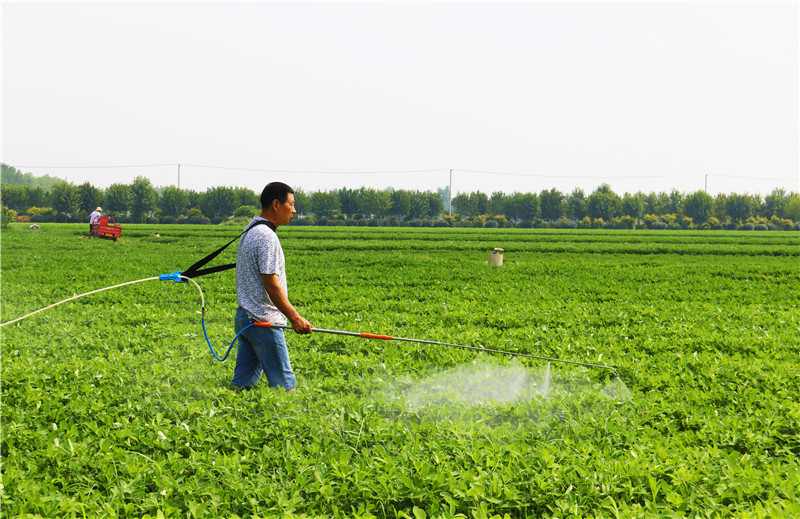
195	270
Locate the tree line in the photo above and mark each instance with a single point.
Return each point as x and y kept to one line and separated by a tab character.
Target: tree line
142	203
605	208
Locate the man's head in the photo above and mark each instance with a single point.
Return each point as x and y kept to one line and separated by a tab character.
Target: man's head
275	191
277	203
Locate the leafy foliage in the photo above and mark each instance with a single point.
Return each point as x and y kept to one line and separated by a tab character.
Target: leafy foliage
113	407
8	216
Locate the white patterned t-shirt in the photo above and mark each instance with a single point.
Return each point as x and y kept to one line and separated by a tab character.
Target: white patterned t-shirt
259	252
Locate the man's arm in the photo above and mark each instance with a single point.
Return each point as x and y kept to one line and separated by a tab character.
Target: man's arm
279	299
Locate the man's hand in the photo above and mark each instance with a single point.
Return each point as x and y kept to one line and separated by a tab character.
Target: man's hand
301	326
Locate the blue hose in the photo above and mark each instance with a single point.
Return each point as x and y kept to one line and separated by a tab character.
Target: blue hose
203	321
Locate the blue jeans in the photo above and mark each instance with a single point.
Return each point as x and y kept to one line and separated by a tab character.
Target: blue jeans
261	350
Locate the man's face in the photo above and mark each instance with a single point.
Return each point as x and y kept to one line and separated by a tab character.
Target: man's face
285	211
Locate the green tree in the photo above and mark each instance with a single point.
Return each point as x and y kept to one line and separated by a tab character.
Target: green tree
12	176
195	198
401	203
633	205
512	206
118	198
657	204
720	206
64	198
552	204
699	206
497	203
740	207
576	204
350	201
418	207
527	206
246	196
144	199
173	202
479	202
675	202
15	197
325	204
8	216
603	203
473	204
377	202
792	209
37	196
461	204
90	197
775	203
435	204
219	202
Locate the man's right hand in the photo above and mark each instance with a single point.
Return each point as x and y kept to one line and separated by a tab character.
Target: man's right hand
301	326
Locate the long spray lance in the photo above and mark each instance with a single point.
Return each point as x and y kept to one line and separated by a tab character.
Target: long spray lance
422	341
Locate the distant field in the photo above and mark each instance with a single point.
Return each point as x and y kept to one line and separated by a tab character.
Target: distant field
112	405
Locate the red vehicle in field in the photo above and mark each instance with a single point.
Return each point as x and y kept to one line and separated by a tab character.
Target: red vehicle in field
106	228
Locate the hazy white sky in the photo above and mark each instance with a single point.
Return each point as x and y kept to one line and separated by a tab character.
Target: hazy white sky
645	96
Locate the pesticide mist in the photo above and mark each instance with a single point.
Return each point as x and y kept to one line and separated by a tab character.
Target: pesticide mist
482	383
479	383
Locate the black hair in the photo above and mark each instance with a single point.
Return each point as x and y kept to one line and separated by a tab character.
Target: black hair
275	191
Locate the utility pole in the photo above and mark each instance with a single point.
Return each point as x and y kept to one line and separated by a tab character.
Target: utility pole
705	187
450	195
179	176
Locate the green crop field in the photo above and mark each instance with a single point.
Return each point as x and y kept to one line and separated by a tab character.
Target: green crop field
113	406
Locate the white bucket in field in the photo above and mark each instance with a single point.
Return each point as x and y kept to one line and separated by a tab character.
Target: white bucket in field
495	258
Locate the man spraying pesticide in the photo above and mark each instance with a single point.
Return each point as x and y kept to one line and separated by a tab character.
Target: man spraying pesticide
261	292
